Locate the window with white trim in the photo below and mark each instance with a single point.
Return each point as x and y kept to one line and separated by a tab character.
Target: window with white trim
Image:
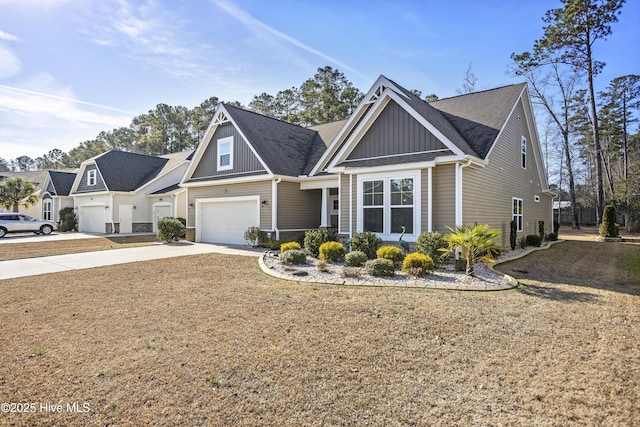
517	212
91	177
388	204
47	207
225	153
523	152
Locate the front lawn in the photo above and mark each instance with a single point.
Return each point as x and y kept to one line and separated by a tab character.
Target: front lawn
211	340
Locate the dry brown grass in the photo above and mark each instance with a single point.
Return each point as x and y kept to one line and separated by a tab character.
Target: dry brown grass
10	251
211	340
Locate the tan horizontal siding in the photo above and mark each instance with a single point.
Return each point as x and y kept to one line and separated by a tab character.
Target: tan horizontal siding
298	209
444	197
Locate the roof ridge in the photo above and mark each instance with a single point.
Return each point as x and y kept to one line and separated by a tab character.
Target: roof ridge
268	117
477	92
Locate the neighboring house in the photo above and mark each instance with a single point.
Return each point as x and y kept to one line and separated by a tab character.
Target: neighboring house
397	162
247	172
122	192
52	189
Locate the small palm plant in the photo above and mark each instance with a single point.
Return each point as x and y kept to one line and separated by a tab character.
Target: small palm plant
474	243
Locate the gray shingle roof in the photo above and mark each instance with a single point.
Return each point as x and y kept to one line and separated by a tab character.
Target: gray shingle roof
62	182
287	149
479	116
123	171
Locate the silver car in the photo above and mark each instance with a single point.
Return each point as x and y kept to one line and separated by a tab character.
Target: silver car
20	223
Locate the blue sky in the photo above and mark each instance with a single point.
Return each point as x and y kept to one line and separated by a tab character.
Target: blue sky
72	68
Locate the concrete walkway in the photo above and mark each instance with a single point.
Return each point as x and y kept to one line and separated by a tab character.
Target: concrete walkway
53	264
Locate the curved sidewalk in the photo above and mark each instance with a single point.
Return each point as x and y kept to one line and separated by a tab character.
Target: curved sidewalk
57	263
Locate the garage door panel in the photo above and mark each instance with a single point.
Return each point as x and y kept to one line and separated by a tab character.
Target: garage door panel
91	219
226	221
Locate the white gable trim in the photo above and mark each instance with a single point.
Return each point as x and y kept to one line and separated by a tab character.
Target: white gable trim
220	117
372	115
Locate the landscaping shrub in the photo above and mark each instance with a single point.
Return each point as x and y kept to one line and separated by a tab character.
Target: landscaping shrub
314	238
380	267
355	258
522	243
331	251
170	229
513	235
293	257
609	228
541	230
254	236
67	220
366	242
288	246
473	243
551	237
430	244
533	240
392	253
275	245
417	264
634	226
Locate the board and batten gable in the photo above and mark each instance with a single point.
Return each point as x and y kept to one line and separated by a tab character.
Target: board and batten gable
84	187
395	132
244	160
226	190
488	191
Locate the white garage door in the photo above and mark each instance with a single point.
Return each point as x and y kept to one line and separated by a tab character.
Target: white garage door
226	221
91	219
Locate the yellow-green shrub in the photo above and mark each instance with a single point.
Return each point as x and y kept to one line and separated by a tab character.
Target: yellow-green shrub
417	264
392	253
289	245
331	251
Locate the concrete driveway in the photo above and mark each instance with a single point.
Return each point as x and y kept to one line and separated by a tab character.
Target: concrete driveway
53	264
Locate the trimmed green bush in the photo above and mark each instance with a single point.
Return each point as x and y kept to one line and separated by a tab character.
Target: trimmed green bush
314	238
417	264
293	257
533	240
366	242
609	228
513	235
380	267
67	220
551	237
430	244
541	230
355	259
288	246
331	251
170	229
254	236
392	253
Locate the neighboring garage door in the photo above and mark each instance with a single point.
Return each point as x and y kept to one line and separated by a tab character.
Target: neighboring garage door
226	220
91	219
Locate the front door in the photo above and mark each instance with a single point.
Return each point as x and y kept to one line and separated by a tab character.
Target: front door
125	218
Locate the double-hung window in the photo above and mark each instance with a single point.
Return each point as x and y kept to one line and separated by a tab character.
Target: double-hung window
388	204
517	212
225	153
91	177
46	209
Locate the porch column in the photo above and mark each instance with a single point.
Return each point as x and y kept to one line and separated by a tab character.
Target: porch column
324	210
430	200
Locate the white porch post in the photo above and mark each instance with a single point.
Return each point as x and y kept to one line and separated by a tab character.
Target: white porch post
430	200
324	213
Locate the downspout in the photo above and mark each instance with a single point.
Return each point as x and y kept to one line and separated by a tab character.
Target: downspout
274	206
111	211
459	197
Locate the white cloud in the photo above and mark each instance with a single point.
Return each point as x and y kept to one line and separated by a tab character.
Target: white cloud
9	64
264	30
8	37
148	33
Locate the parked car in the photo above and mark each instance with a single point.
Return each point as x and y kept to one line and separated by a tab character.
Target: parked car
20	223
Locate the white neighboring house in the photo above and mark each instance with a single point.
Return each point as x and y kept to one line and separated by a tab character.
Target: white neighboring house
122	192
52	188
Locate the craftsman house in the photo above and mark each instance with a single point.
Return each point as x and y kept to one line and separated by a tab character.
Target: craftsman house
122	192
398	163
